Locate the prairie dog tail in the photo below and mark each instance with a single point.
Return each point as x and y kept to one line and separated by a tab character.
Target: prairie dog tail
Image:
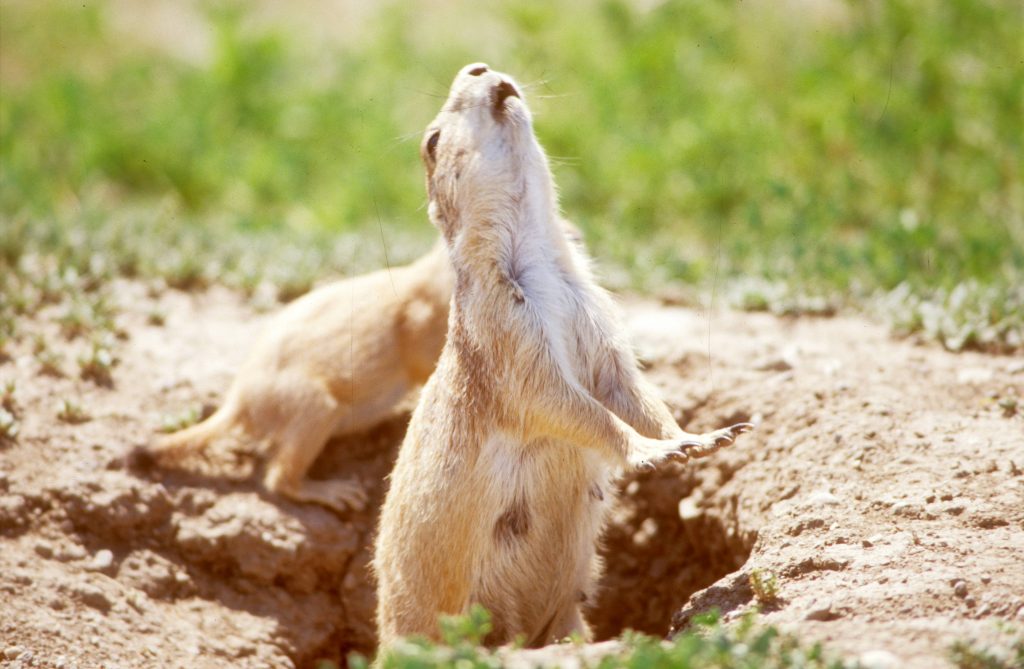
217	446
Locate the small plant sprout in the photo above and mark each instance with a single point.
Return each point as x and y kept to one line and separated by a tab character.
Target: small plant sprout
9	426
156	317
70	412
98	365
49	360
7	399
765	586
179	421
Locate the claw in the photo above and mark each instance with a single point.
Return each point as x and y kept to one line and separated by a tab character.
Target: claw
740	428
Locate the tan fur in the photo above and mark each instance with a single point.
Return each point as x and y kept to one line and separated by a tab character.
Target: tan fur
501	485
335	361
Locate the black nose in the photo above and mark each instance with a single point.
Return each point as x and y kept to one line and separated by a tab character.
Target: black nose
504	90
477	71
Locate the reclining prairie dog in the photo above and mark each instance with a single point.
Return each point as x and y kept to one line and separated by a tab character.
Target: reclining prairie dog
501	484
335	361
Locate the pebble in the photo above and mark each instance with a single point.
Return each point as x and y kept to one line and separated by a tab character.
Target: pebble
819	610
970	601
71	553
13	652
43	550
986	579
908	510
878	659
93	596
960	589
101	561
822	498
61	662
974	375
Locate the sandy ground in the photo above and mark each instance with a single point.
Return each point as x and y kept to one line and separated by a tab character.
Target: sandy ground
883	488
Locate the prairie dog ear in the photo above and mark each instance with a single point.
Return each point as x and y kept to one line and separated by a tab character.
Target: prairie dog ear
428	148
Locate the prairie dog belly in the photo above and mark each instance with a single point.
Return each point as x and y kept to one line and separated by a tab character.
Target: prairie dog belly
546	503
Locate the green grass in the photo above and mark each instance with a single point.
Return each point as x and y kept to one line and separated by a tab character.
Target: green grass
711	645
826	159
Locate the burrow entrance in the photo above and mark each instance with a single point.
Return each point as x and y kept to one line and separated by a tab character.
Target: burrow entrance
673	532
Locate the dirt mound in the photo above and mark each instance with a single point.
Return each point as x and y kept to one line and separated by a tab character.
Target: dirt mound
883	488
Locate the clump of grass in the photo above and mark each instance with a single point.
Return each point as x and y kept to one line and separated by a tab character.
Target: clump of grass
8	400
969	316
98	365
1007	652
50	361
765	587
156	317
72	412
9	425
174	422
710	646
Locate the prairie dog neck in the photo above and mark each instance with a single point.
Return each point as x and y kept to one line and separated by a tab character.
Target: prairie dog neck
523	242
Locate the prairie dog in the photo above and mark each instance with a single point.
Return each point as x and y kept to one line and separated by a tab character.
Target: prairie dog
335	361
502	482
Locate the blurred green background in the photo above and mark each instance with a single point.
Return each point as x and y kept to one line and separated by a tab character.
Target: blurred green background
796	155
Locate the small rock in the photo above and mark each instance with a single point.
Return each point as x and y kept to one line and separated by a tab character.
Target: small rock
867	543
13	652
71	553
960	589
986	579
822	498
970	601
61	662
878	659
974	375
92	596
819	610
43	550
773	365
908	510
102	561
26	657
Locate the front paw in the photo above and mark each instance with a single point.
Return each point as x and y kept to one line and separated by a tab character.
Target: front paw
647	455
709	442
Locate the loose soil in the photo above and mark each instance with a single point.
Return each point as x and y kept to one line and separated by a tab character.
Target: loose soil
883	488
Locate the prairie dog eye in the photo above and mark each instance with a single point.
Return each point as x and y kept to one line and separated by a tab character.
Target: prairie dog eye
432	143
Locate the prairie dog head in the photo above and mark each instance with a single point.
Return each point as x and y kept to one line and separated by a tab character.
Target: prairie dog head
484	165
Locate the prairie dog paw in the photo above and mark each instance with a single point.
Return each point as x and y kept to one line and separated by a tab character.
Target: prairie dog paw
647	455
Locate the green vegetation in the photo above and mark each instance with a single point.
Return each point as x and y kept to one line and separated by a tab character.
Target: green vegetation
1006	652
69	411
711	645
765	587
802	160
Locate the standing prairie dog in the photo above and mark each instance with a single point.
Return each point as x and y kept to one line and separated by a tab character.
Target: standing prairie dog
335	361
500	488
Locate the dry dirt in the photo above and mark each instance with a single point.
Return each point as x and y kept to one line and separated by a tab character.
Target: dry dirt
883	488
